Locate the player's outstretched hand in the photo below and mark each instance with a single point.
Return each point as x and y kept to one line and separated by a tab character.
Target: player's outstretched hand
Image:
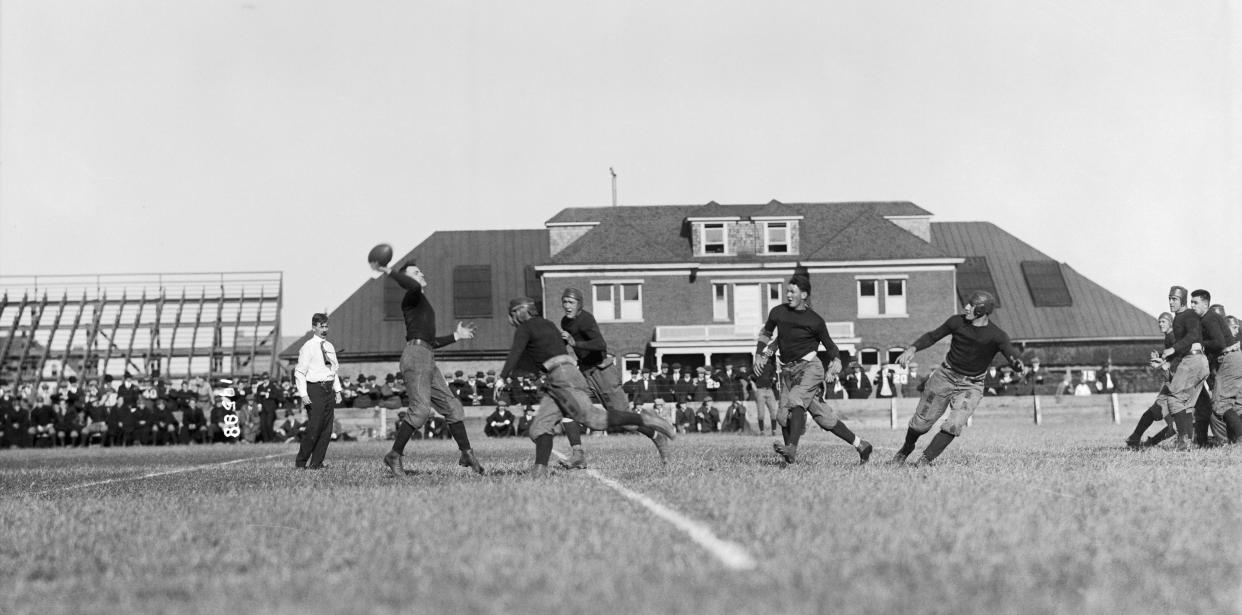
1019	367
380	268
834	368
906	356
761	361
464	331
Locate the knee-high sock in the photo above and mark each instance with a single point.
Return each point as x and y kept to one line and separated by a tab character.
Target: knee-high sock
843	432
572	433
797	424
1162	435
404	431
936	446
1145	421
1185	425
1233	425
760	425
912	438
458	431
543	449
1202	418
616	419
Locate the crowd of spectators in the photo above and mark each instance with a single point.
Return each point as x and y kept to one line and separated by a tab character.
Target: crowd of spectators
156	412
149	411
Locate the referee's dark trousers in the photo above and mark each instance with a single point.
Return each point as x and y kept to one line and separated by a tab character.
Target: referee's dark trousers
319	419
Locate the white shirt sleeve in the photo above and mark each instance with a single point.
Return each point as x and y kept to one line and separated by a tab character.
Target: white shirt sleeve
304	365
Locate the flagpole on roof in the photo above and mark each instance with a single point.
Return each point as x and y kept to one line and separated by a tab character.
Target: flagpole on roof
614	186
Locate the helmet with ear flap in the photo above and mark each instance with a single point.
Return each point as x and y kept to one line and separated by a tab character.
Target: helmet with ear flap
983	302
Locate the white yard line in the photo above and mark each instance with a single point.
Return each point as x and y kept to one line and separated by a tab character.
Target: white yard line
731	554
155	474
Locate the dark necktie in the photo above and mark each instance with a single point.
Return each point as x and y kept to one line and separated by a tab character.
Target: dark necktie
323	347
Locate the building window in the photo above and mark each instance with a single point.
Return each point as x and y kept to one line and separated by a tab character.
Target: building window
895	297
633	363
534	287
774	296
881	297
631	302
604	307
720	301
1047	284
776	238
893	353
975	274
868	298
621	301
472	291
868	357
715	239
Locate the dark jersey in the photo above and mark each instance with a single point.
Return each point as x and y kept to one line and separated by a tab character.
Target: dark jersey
1187	330
799	332
420	317
534	342
1216	335
589	344
972	348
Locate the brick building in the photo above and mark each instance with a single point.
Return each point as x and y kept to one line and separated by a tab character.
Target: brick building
693	283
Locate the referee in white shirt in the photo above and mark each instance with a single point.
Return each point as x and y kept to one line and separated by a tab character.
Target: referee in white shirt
320	390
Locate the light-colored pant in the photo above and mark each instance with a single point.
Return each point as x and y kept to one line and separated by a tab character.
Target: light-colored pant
947	390
427	387
1228	393
1187	382
566	394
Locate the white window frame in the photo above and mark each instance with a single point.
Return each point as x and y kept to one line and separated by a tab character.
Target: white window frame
869	305
768	227
604	310
720	301
894	305
724	240
775	296
631	309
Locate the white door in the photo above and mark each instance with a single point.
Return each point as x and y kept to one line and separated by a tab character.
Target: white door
747	305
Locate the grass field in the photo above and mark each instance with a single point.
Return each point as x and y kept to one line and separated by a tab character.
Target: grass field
1015	519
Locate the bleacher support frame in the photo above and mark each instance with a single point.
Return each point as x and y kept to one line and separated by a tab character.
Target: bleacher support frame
139	323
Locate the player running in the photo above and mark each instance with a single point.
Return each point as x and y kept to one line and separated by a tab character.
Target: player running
564	391
581	333
957	385
803	377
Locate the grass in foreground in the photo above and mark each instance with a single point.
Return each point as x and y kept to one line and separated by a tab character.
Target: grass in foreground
1015	519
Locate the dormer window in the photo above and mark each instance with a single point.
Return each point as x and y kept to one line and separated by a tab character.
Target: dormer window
715	239
776	238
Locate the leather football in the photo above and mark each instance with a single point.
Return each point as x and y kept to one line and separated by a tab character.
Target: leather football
380	254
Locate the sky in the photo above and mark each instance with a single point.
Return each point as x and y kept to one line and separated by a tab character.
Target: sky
248	135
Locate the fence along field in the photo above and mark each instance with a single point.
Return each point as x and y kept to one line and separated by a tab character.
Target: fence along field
1017	518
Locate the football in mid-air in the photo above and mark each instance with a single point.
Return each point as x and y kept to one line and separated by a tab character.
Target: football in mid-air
380	254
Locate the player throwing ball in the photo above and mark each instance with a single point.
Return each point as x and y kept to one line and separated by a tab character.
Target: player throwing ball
564	391
957	385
